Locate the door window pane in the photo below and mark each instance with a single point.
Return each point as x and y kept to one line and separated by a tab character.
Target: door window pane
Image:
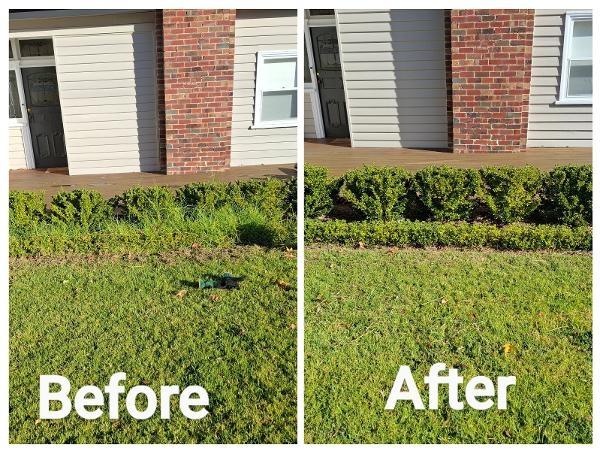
36	47
279	106
14	102
10	55
580	78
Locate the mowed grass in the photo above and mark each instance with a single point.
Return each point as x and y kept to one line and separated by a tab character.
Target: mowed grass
87	318
370	311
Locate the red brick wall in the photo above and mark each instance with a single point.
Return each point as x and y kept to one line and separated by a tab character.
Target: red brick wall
490	77
197	57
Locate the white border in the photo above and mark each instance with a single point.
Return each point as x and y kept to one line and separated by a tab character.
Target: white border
270	4
563	98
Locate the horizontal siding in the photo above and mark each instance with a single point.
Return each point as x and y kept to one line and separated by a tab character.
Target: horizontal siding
309	120
553	125
107	84
16	148
394	75
258	31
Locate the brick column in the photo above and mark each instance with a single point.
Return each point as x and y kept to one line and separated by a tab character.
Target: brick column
197	54
490	77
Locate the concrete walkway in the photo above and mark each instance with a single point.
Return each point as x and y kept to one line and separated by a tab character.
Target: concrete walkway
339	157
55	180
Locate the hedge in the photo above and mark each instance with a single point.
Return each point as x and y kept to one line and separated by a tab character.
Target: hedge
87	208
502	195
516	236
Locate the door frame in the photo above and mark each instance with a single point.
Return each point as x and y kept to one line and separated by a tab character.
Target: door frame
17	63
312	88
314	22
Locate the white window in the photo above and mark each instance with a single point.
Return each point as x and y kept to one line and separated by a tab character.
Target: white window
576	73
276	96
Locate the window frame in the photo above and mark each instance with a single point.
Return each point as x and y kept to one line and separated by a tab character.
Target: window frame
261	57
563	97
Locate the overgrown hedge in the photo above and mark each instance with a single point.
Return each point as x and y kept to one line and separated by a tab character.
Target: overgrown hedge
402	233
154	218
501	195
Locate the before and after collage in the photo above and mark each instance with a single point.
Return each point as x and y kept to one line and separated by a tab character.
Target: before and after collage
299	226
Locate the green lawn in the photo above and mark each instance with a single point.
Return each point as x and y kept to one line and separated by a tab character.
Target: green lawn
370	311
88	317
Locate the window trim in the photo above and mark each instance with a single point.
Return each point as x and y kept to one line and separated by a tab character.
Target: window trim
261	56
563	99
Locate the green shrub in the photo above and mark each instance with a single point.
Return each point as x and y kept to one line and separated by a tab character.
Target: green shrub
202	195
148	205
26	208
511	194
83	207
291	197
377	192
269	195
447	193
459	234
567	195
318	199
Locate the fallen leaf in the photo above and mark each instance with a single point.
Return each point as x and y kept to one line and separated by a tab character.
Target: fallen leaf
283	284
195	245
38	421
507	348
180	294
214	297
289	253
360	245
292	326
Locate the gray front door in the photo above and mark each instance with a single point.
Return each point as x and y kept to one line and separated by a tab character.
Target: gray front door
45	120
329	77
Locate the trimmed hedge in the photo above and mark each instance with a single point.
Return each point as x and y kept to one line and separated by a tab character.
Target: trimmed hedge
510	194
440	193
516	236
447	193
567	195
377	193
318	192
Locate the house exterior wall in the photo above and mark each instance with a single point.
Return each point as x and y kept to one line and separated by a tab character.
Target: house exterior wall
16	148
108	103
198	88
394	77
259	30
105	70
553	125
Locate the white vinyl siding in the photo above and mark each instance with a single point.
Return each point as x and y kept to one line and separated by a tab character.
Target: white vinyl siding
309	120
107	85
16	148
259	30
394	76
552	125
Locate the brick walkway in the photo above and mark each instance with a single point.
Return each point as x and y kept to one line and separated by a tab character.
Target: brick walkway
338	157
53	181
